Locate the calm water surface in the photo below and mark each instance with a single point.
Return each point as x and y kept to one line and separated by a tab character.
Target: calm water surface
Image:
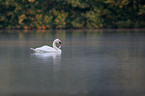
93	63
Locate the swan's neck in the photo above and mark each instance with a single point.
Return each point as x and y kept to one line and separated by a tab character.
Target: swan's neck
54	45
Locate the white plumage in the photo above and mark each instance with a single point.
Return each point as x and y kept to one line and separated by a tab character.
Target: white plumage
48	49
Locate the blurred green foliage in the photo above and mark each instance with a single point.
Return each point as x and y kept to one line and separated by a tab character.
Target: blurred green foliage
60	14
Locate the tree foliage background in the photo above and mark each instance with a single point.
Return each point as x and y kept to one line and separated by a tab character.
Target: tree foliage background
59	14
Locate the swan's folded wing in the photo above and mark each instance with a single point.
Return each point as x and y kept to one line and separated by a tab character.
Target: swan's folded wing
45	48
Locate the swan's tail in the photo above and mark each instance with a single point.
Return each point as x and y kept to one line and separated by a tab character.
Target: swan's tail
32	49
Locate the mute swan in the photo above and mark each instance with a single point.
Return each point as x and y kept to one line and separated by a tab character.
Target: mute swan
48	49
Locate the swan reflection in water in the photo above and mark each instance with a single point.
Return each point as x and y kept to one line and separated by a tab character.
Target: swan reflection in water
48	57
52	59
51	62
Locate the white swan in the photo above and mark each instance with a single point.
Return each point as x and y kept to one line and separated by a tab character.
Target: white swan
48	49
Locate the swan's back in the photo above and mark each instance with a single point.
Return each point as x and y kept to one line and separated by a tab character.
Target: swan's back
44	48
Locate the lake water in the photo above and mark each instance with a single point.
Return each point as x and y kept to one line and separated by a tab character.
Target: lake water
92	63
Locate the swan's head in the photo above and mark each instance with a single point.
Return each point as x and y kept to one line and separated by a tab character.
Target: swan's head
58	42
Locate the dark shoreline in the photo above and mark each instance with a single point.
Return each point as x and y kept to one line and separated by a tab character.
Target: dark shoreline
122	29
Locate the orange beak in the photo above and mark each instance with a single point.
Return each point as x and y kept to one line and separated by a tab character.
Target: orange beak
59	44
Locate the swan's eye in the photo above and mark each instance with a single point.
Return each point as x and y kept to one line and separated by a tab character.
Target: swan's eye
59	42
